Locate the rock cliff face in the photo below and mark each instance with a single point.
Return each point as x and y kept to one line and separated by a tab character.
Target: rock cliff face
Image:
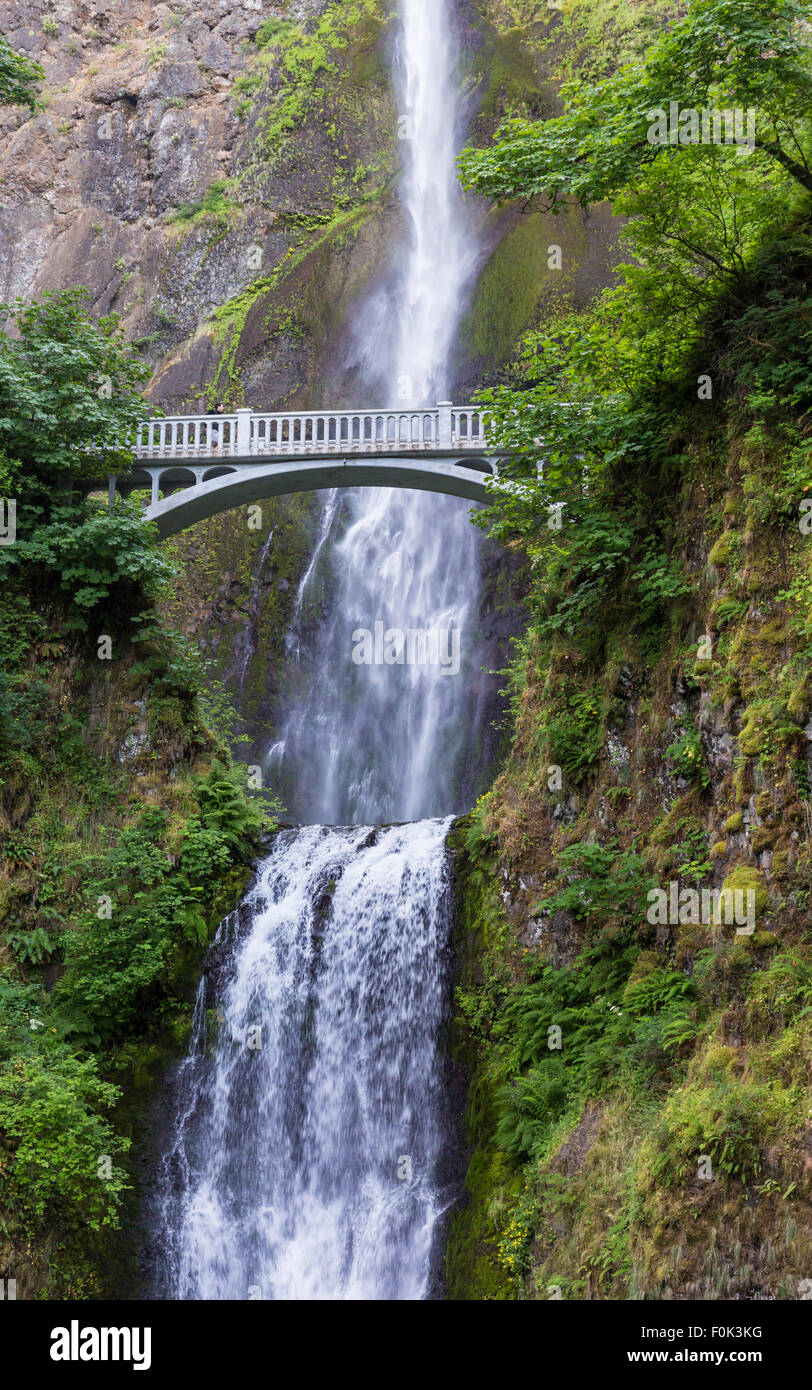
222	177
149	176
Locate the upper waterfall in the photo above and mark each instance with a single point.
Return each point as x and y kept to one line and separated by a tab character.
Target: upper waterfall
406	341
392	741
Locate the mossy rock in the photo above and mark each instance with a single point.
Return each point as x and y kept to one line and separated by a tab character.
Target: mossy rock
670	829
745	878
799	703
720	553
734	824
717	1059
763	941
719	849
742	780
663	861
776	632
473	1267
645	963
750	735
765	837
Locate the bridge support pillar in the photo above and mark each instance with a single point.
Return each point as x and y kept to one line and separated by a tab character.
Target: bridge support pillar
244	432
111	490
444	424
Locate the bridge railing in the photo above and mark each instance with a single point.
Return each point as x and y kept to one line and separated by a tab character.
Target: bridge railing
246	434
188	436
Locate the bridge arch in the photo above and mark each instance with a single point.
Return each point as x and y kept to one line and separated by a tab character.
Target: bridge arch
240	485
195	466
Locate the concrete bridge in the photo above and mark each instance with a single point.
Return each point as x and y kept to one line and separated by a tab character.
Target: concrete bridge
198	465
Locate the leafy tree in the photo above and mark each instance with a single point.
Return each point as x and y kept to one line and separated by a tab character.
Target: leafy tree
69	405
99	558
17	77
585	422
69	391
723	54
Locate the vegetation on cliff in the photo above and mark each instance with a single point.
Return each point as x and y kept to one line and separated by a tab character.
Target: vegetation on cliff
124	827
639	1102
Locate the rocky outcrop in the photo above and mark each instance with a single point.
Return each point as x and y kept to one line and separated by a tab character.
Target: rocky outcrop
221	177
147	178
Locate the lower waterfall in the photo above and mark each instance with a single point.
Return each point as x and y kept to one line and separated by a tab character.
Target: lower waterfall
308	1133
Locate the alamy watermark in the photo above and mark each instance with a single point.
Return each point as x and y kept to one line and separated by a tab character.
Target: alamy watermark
8	520
703	907
706	126
413	647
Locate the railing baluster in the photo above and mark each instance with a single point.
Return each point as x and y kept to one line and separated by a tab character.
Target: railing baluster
311	432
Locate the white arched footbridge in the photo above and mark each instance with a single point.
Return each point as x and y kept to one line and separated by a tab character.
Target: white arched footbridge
198	465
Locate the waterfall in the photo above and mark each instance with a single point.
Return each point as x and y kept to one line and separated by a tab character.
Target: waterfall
310	1164
303	1166
386	743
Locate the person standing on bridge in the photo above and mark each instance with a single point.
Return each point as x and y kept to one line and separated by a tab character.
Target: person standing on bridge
214	430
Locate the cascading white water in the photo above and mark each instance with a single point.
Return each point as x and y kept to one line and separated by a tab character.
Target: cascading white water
308	1165
304	1163
408	332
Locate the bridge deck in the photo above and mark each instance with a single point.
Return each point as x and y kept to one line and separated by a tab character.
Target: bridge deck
244	434
198	465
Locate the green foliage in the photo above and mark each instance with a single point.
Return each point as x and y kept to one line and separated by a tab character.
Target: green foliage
226	811
69	399
18	75
658	580
723	54
778	315
306	62
55	1138
274	31
730	1122
600	880
217	204
531	1105
688	759
573	728
610	1025
159	900
716	286
611	452
32	946
100	557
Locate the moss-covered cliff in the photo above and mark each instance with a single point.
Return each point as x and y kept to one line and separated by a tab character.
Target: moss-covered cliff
685	754
637	1038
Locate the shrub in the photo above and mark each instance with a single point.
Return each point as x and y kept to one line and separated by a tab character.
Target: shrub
601	879
50	1118
688	759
